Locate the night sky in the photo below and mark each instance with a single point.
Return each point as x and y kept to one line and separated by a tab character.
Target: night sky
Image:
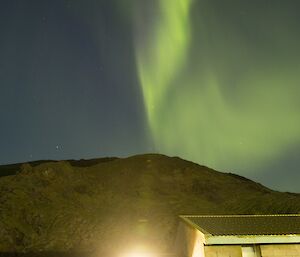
212	81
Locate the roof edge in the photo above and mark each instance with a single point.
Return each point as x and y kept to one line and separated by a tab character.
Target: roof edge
210	239
192	224
252	239
243	215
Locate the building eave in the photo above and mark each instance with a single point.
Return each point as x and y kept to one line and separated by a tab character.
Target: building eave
193	225
251	239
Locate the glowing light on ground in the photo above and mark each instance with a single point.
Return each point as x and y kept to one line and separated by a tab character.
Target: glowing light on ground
139	251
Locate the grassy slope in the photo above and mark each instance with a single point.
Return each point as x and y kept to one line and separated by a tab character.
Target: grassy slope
110	204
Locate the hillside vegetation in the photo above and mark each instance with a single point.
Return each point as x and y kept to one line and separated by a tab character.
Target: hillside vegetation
107	205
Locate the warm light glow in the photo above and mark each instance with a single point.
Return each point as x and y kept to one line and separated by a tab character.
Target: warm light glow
198	250
139	251
138	254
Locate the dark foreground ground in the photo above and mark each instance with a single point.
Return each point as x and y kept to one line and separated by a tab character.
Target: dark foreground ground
108	205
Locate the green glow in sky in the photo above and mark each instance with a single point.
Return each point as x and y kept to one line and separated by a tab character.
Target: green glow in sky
164	55
211	96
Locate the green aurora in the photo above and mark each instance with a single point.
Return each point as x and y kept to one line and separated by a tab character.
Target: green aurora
221	92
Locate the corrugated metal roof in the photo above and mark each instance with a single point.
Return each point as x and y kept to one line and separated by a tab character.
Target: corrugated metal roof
223	225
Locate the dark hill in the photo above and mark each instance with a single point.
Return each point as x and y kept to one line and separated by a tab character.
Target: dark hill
110	204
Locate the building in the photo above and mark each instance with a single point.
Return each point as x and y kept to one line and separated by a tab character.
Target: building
239	236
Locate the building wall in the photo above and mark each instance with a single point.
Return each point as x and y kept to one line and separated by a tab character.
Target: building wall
223	251
188	242
280	250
